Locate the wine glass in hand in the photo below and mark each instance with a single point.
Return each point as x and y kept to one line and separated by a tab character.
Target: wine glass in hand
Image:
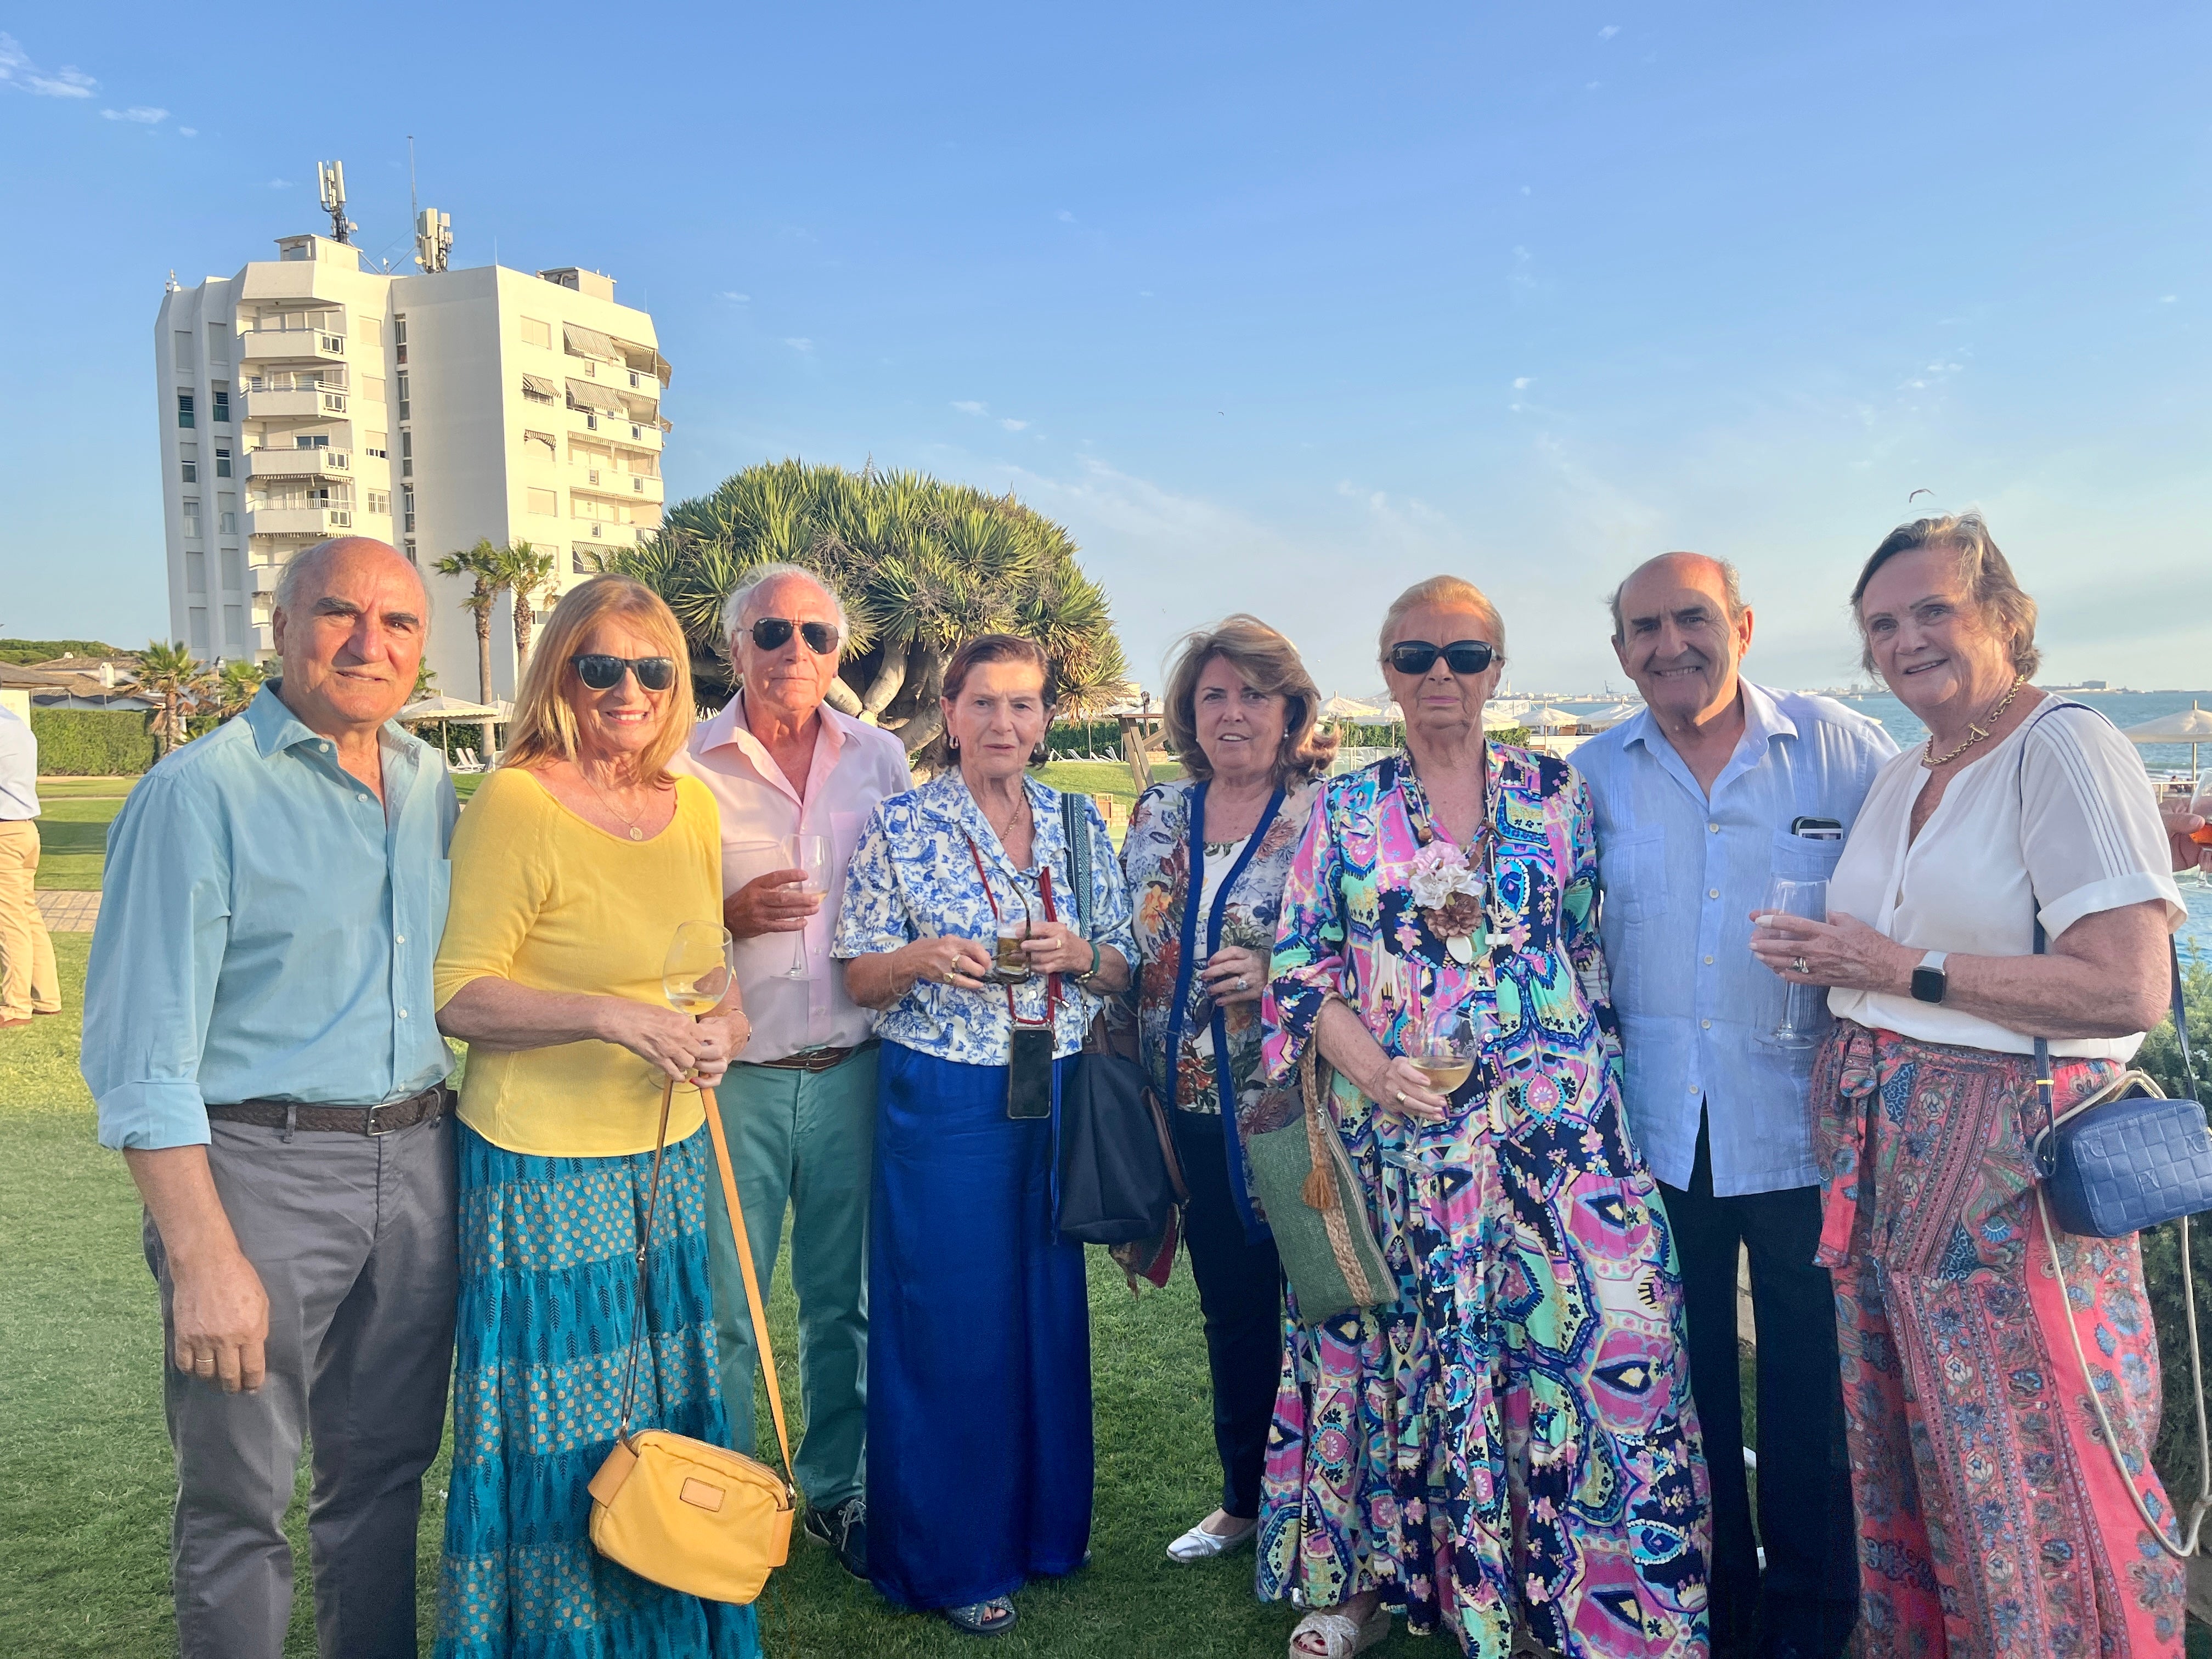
812	855
699	970
1802	1006
1444	1049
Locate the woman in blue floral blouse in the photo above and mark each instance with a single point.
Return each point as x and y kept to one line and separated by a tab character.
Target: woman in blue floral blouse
1240	713
979	1344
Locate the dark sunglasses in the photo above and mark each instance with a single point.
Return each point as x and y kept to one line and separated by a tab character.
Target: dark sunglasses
602	673
773	633
1460	656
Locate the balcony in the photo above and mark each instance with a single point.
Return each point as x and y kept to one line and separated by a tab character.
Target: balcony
268	345
645	434
298	463
611	482
262	577
297	521
300	404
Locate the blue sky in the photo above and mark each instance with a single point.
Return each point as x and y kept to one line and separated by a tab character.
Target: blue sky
1277	308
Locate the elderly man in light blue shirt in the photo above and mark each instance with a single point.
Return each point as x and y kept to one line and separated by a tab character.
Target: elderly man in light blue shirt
1716	788
259	1036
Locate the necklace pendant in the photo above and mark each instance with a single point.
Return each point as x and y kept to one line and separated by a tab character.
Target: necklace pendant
636	834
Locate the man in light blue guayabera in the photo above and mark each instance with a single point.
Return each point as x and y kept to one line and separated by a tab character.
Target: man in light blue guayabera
260	1036
1716	788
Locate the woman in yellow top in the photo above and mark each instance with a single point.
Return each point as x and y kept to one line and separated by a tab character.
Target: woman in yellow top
573	868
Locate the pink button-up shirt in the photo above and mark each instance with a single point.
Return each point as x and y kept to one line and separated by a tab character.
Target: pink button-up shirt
855	765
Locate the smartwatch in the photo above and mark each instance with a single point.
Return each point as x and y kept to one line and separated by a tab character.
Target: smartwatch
1929	980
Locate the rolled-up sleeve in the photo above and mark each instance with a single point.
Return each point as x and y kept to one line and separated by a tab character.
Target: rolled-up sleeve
157	955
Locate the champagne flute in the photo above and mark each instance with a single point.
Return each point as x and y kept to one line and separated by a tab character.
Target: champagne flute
812	855
1803	1006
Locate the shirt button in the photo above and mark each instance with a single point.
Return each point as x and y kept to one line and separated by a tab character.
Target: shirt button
1709	962
401	938
402	1014
1714	828
1713	892
1707	1023
324	747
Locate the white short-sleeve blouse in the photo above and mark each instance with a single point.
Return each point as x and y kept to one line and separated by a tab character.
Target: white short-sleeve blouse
2057	820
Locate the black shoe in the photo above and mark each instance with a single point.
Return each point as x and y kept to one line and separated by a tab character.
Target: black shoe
844	1528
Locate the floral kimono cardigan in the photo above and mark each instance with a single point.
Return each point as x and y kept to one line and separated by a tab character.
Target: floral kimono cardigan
1165	860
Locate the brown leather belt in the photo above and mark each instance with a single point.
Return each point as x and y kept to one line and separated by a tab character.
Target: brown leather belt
816	1060
338	1120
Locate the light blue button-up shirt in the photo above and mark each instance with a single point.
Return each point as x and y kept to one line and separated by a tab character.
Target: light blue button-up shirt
267	928
1681	874
19	768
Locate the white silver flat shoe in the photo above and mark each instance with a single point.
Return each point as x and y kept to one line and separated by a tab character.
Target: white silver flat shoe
1199	1544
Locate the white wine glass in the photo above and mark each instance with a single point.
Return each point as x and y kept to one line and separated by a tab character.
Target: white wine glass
809	853
1803	1006
1443	1050
700	968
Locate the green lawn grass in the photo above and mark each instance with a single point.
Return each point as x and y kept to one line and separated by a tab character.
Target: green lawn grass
73	840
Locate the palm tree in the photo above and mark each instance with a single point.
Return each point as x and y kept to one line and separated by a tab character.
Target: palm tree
236	683
920	564
171	673
528	574
482	566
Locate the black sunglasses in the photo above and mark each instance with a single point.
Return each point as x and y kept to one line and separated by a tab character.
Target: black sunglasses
604	673
773	633
1460	656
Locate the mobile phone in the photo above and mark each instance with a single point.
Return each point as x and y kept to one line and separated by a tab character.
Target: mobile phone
1028	1073
1817	829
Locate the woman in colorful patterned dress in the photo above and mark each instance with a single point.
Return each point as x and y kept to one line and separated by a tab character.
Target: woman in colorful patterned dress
1509	1445
979	1324
1206	857
573	868
1995	1521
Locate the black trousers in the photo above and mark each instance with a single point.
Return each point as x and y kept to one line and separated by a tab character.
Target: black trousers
1240	1290
1807	1602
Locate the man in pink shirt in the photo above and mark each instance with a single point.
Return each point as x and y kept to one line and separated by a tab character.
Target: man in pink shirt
800	1106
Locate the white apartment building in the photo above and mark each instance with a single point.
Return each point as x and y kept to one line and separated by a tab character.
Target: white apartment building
305	397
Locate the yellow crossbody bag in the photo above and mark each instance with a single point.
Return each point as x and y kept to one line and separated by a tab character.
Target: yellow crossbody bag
696	1517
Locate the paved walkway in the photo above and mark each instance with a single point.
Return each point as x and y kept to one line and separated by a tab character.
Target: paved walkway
68	912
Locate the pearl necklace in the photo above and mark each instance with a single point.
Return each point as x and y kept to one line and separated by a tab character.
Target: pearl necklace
1974	734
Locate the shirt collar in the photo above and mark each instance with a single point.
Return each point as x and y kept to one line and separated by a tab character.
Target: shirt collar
730	727
1763	719
277	728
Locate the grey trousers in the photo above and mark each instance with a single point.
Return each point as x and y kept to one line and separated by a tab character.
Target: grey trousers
354	1239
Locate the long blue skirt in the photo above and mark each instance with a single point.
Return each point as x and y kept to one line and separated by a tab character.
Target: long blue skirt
979	1344
549	1275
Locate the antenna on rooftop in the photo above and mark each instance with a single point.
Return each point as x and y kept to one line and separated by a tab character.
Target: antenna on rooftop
433	231
330	179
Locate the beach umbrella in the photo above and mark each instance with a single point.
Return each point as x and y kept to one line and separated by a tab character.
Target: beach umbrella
443	708
1545	718
2191	725
1346	708
1604	720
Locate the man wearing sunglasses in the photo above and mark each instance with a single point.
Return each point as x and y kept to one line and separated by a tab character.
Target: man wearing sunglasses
801	1103
1718	787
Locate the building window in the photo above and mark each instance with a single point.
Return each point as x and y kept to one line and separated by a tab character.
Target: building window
408	548
222	461
372	332
188	462
233	573
402	397
184	351
534	333
196	573
547	502
406	454
380	500
227	516
185	410
373	387
218	342
219	392
311	440
537	447
192	518
372	443
399	348
407	507
234	625
577	564
196	626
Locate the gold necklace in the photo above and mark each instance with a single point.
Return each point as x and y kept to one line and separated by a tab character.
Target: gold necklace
1974	734
635	832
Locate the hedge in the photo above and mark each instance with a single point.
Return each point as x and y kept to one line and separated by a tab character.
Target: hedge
93	743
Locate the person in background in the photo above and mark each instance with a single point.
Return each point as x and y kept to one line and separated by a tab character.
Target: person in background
2182	827
258	1035
1993	1518
28	983
574	867
979	1347
1698	799
1206	857
1509	1449
799	1108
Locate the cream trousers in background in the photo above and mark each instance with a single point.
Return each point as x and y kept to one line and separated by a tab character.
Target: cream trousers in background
27	980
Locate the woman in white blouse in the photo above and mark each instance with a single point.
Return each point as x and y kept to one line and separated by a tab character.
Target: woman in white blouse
1995	1519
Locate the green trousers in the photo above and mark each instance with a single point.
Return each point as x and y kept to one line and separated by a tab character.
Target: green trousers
802	1139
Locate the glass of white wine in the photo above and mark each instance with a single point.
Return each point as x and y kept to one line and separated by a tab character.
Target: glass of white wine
699	968
1443	1050
812	855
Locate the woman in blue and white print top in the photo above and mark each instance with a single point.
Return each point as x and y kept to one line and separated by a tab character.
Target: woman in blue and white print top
978	1346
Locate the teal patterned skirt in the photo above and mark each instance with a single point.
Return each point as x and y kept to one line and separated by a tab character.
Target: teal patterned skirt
549	1255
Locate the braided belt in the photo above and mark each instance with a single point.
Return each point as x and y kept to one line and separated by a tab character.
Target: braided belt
338	1119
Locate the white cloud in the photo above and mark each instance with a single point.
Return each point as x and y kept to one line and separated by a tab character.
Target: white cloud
143	113
969	406
740	299
1015	426
802	344
188	132
1590	86
1523	382
278	184
16	69
1608	31
1144	293
2167	299
1524	190
1065	216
